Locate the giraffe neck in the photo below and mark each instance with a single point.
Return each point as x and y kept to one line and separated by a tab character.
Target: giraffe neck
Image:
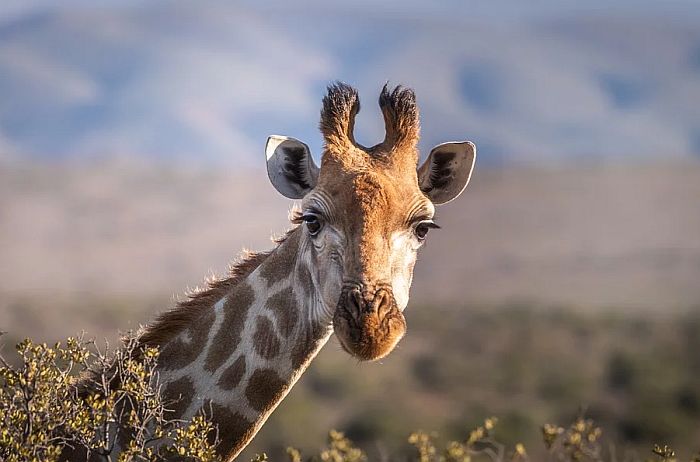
241	356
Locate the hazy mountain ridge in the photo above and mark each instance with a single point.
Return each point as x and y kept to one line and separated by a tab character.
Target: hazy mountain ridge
596	236
208	81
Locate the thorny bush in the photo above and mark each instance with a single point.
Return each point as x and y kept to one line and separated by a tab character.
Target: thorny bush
74	396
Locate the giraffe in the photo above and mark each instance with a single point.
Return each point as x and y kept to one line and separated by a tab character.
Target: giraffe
237	348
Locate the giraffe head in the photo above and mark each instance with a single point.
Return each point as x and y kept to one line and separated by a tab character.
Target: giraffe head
366	212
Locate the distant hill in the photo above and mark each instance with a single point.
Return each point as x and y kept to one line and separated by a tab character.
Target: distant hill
592	237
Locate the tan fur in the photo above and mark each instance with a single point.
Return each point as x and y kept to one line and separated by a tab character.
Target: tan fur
234	349
379	202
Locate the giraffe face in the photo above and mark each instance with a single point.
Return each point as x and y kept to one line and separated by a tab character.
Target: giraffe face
364	227
366	212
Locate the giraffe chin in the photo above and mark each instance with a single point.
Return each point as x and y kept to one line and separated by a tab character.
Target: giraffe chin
369	337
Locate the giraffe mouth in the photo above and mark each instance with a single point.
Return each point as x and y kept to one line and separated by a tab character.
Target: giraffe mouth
368	331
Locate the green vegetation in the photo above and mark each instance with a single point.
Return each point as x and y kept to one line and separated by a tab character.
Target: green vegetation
43	414
579	442
633	375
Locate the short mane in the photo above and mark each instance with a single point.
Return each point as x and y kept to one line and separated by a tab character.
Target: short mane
169	323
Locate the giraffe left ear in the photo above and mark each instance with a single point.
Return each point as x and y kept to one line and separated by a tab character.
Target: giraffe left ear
290	167
446	172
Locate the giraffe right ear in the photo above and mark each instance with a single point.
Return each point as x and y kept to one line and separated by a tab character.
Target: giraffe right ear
447	170
290	167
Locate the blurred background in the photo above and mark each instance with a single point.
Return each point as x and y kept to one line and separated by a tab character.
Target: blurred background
566	276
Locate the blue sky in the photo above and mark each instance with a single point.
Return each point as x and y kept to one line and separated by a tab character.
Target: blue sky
206	81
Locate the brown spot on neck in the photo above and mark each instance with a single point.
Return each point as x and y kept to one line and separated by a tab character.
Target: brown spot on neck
265	340
279	264
228	336
178	396
265	389
177	354
233	374
306	282
234	430
308	344
286	310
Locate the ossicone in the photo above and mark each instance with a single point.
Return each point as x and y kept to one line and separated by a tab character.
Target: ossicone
342	103
340	106
400	118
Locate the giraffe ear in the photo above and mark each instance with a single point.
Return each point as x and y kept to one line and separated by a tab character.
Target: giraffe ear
290	167
446	172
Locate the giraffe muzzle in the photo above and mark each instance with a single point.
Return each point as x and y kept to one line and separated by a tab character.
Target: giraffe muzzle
368	324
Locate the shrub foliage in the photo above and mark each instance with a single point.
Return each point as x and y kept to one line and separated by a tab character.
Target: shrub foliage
579	442
74	397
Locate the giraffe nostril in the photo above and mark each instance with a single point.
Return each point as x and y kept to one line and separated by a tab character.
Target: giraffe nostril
358	303
355	302
382	303
376	302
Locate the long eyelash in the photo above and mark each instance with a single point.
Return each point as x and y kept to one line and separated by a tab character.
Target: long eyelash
429	222
297	217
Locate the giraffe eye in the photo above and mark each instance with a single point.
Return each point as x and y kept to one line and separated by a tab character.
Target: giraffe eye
422	228
313	224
